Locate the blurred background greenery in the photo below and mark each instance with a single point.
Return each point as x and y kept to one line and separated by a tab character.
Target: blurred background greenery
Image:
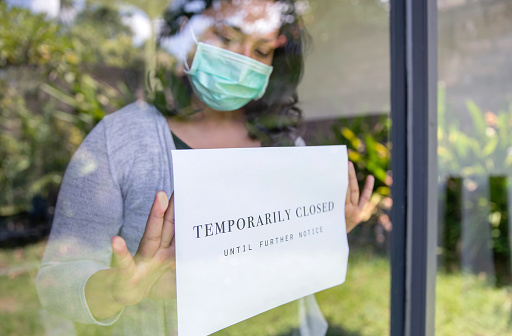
50	97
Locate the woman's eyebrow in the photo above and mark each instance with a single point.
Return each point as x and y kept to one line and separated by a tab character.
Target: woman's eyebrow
230	25
239	30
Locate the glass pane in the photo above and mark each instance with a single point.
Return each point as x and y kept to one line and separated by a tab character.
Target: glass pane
346	97
474	157
67	69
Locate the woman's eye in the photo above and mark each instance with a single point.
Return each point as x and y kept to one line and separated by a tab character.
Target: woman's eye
224	38
263	53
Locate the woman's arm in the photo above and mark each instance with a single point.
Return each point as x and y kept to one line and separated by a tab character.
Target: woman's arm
89	212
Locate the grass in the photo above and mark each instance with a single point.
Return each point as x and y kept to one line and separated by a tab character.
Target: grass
465	304
19	306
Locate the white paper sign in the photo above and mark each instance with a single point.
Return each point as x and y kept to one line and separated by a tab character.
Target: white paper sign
256	228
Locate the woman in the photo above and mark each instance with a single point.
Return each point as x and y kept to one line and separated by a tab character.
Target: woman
234	85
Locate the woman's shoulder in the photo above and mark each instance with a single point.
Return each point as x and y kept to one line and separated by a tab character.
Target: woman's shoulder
136	130
133	119
133	141
136	125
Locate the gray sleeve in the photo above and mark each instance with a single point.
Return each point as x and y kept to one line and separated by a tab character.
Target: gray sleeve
89	212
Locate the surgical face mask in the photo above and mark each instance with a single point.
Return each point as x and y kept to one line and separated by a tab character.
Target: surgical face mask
225	80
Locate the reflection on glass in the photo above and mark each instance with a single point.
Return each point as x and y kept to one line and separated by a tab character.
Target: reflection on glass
345	95
475	161
81	65
347	71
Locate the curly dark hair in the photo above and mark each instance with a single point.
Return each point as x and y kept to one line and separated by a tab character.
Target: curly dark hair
274	119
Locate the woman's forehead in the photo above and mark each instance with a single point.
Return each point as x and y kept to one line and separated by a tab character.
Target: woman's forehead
249	16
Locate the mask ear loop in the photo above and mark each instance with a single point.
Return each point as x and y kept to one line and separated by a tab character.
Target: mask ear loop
193	35
185	62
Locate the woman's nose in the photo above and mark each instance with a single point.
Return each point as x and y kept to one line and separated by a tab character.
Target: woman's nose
246	50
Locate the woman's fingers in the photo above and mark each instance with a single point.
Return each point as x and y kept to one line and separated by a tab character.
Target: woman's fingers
356	202
136	275
367	192
122	256
168	226
353	186
152	238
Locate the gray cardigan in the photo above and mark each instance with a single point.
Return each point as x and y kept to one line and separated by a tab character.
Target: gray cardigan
108	190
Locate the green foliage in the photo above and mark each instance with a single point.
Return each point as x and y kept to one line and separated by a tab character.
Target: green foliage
451	232
34	153
482	149
499	221
89	98
29	39
102	27
153	10
367	140
368	147
49	99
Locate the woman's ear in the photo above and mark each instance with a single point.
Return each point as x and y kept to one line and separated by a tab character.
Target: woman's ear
280	41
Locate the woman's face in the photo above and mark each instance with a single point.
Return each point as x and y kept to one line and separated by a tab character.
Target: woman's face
246	27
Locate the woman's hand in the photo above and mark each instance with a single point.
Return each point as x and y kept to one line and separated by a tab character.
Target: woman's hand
149	273
354	205
155	258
